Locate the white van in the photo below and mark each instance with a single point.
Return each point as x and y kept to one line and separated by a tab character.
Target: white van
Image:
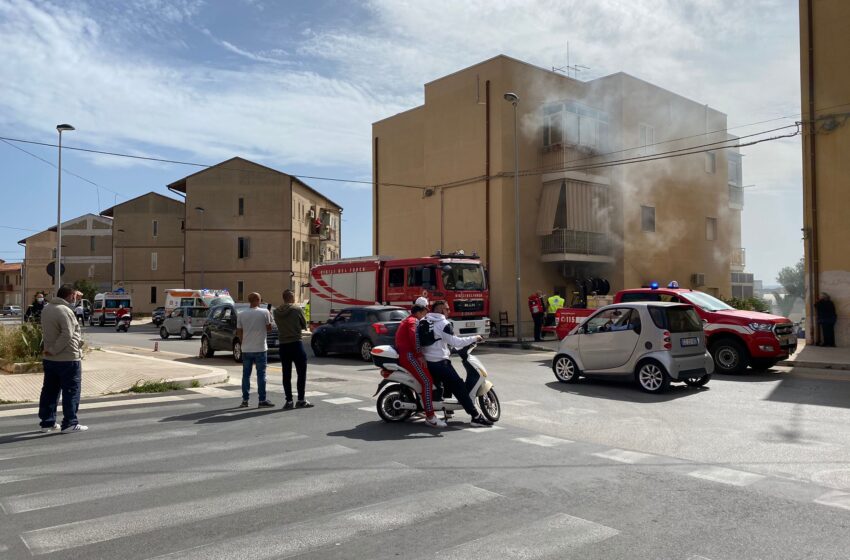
106	306
181	297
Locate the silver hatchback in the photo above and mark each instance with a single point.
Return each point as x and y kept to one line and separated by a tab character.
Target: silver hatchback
184	321
652	342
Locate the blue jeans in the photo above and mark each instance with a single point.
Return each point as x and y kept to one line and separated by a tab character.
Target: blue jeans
64	377
249	359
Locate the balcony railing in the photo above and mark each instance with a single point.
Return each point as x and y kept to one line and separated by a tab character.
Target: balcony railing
739	257
559	156
736	196
576	242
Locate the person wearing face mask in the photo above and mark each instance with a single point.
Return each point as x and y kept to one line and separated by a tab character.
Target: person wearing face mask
33	313
63	352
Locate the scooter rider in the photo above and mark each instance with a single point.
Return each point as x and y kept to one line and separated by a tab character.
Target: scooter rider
410	358
436	335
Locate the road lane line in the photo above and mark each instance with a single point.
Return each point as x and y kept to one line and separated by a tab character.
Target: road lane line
835	499
342	400
120	525
624	456
520	402
543	441
727	476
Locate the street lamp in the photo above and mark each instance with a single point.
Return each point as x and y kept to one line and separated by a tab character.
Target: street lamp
513	99
58	266
201	211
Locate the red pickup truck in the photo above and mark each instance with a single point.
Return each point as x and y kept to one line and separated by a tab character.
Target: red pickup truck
736	339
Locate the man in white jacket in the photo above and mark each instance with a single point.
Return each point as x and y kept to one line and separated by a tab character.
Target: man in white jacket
436	335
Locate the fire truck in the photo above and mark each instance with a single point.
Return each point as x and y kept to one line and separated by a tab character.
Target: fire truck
456	278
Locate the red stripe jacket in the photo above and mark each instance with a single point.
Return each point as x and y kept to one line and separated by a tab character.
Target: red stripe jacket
406	337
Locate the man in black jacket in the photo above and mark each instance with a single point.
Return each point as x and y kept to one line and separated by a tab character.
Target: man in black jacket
826	317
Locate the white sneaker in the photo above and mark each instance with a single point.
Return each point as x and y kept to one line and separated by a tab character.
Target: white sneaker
435	422
51	429
74	429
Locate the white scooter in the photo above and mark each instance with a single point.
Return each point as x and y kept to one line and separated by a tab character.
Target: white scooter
400	399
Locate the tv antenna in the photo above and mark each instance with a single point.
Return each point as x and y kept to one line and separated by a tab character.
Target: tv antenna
574	68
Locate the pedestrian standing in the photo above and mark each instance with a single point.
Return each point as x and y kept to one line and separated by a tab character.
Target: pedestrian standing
252	328
535	306
555	303
291	322
827	318
33	313
62	355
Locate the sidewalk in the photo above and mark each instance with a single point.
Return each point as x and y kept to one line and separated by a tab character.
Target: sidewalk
819	357
107	371
548	345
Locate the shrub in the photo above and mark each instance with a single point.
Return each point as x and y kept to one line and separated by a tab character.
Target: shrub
22	344
749	304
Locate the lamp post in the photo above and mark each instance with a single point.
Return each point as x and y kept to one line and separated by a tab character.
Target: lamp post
513	99
201	211
58	266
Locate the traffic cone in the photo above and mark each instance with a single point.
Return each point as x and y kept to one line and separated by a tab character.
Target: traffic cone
156	346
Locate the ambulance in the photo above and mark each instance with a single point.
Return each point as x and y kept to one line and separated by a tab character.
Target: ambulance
183	297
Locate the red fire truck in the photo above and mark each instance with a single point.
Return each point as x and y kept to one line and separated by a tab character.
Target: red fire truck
457	278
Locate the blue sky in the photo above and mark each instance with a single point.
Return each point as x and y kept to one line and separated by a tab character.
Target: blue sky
296	86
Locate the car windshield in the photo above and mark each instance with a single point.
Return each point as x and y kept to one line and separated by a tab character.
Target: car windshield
196	311
463	277
392	315
706	302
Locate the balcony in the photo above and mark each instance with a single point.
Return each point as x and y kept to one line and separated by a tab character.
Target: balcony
559	156
739	258
736	197
563	245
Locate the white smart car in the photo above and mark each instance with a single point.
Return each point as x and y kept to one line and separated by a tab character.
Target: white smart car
652	342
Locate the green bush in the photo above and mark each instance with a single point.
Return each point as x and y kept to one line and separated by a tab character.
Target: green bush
22	344
749	304
160	386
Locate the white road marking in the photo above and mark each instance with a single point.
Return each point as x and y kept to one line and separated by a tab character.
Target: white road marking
624	456
543	441
727	476
315	394
299	538
367	408
121	525
342	400
103	404
143	482
520	402
215	392
835	499
574	411
477	430
554	536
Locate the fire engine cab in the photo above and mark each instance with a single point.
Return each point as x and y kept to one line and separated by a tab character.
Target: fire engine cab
456	278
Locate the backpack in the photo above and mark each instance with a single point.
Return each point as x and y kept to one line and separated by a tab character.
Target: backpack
425	331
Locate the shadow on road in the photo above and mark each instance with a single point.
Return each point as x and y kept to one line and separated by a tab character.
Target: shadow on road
32	435
822	392
384	431
750	376
221	415
622	390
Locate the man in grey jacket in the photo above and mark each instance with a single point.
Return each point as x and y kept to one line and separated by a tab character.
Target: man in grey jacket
63	351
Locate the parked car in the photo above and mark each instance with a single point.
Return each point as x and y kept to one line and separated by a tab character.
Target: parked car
219	333
10	310
653	343
158	316
184	321
356	330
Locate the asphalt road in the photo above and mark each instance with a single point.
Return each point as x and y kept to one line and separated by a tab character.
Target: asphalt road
753	466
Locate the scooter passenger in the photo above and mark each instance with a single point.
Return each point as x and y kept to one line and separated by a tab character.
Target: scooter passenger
436	335
411	359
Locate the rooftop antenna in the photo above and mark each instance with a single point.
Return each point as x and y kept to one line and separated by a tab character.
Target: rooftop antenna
575	68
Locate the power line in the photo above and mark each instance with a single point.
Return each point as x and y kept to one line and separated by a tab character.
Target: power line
19	228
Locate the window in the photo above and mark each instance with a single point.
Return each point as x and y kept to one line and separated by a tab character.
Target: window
343	317
243	248
155	228
575	125
153	294
91	271
305	251
241	206
710	162
91	243
610	320
553	132
646	135
676	319
294	252
240	290
711	229
228	314
153	261
358	316
216	313
425	276
182	225
53	254
647	218
733	166
396	278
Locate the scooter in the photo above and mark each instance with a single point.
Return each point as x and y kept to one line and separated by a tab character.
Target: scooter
122	324
400	398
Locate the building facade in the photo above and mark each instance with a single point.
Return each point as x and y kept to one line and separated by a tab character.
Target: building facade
824	44
147	248
11	284
587	208
86	255
250	228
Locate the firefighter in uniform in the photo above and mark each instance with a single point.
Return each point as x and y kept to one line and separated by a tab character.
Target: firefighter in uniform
535	306
555	303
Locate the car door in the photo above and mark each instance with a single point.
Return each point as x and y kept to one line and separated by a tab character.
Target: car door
213	325
608	339
334	335
353	331
174	321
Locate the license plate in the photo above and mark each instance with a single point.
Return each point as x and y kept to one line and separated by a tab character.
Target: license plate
692	341
470	324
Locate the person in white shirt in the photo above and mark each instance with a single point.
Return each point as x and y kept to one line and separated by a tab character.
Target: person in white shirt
252	327
436	335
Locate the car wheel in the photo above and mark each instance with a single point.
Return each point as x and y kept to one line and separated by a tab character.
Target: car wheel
237	351
163	333
184	334
652	377
698	381
206	348
729	355
366	350
565	368
762	364
318	347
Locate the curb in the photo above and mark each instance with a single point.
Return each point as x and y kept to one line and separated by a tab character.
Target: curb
522	346
814	365
213	374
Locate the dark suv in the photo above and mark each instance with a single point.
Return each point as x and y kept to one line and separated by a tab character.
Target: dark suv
220	331
356	330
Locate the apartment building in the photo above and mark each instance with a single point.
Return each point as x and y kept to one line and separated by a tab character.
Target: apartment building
10	283
825	83
147	248
251	228
585	211
86	255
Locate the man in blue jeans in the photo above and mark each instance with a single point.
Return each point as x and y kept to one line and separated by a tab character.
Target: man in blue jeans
63	343
252	327
290	321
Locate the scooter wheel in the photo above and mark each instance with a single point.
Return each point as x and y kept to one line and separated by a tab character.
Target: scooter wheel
387	403
489	405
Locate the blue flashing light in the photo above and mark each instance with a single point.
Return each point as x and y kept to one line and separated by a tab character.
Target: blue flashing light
653	285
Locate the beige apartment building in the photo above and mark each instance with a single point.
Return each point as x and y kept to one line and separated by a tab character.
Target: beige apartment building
824	48
147	248
86	254
11	283
250	228
587	209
